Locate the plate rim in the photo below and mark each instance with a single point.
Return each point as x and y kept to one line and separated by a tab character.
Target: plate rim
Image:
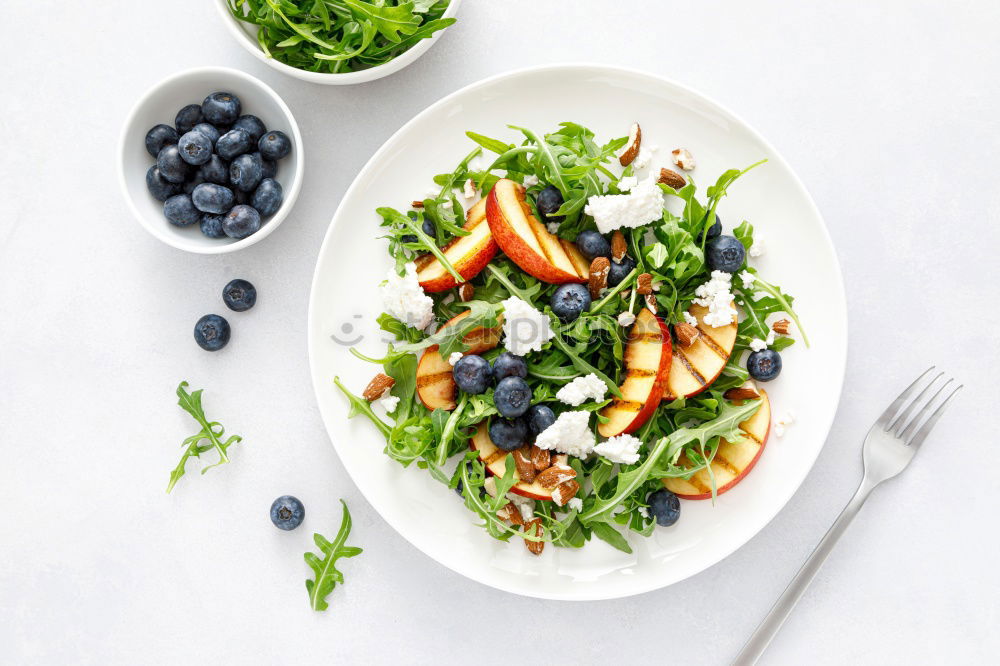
593	67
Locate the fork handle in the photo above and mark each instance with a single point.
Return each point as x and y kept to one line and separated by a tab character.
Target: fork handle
767	629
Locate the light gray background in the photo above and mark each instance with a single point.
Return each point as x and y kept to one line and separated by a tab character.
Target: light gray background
889	111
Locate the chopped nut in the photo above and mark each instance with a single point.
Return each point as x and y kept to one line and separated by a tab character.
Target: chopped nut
781	326
650	303
511	513
565	491
535	527
600	267
522	461
465	292
378	386
644	284
686	333
540	458
469	189
417	204
632	147
618	246
683	158
671	178
555	475
741	393
626	319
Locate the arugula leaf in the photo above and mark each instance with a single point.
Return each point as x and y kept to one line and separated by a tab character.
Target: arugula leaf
389	21
609	534
211	432
325	569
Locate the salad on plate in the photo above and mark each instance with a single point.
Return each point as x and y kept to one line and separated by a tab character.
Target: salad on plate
578	344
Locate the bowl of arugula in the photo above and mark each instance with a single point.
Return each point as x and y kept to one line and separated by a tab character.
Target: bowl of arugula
337	42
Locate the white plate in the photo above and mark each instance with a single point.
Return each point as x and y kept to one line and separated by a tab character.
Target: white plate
799	257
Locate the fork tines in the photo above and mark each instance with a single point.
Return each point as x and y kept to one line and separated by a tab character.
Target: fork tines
903	416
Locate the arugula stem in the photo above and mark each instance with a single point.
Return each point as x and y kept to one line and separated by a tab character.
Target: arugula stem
448	433
617	289
362	406
778	296
430	244
582	365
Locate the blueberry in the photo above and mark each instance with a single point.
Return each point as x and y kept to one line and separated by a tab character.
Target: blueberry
161	188
180	211
408	238
539	418
232	143
212	198
592	245
215	170
159	136
459	488
764	365
242	198
252	125
569	300
508	434
212	332
429	229
195	148
245	172
268	168
221	108
194	179
664	506
714	231
267	197
512	397
548	202
239	295
208	130
620	270
241	221
508	365
188	117
287	512
170	164
274	145
724	253
472	374
211	226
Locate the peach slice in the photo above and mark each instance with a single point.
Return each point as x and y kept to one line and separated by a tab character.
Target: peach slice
694	368
733	460
495	460
435	385
526	240
468	254
647	365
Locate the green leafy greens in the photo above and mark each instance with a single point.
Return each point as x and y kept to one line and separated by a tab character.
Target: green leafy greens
325	568
212	435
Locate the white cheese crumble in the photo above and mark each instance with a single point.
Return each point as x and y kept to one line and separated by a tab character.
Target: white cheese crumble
690	319
623	449
626	319
404	299
575	504
490	486
455	357
644	512
530	180
570	434
642	205
717	297
627	183
525	328
469	190
388	402
757	345
785	420
525	505
553	227
747	278
756	249
581	389
644	157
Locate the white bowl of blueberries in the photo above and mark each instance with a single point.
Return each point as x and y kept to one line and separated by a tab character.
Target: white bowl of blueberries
211	160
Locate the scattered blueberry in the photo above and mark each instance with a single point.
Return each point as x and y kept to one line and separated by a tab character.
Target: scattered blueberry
221	108
245	172
234	142
267	197
215	170
170	164
274	145
512	397
408	238
241	221
539	418
194	180
180	211
714	231
211	226
287	512
472	374
592	244
569	301
268	168
508	434
508	365
620	270
188	117
159	136
212	332
239	295
548	202
208	130
212	198
161	188
459	488
195	148
252	125
664	506
242	197
428	228
764	365
724	253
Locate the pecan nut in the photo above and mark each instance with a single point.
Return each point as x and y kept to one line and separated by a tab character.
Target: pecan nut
781	326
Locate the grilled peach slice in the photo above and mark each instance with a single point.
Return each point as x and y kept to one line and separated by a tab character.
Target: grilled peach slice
647	365
468	254
435	385
694	368
732	462
526	240
495	460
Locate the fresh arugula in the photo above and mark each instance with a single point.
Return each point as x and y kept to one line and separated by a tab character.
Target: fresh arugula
212	435
325	568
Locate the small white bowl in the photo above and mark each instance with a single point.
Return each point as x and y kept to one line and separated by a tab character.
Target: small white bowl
160	104
246	34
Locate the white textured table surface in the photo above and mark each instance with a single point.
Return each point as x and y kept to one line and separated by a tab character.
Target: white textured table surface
889	111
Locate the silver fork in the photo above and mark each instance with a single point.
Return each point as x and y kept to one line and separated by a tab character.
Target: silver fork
889	447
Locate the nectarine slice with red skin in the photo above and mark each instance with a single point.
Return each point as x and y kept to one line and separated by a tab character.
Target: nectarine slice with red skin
647	366
495	460
467	254
435	384
695	367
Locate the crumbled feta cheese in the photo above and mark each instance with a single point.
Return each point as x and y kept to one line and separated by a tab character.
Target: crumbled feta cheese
404	299
785	420
622	449
388	402
626	319
525	328
470	189
642	205
644	157
748	279
627	183
581	389
756	249
570	434
690	319
575	504
490	486
553	227
757	345
454	358
779	430
644	512
525	505
717	297
770	338
530	180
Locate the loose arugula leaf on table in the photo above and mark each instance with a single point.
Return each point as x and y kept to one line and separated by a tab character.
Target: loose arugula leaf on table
212	433
325	568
